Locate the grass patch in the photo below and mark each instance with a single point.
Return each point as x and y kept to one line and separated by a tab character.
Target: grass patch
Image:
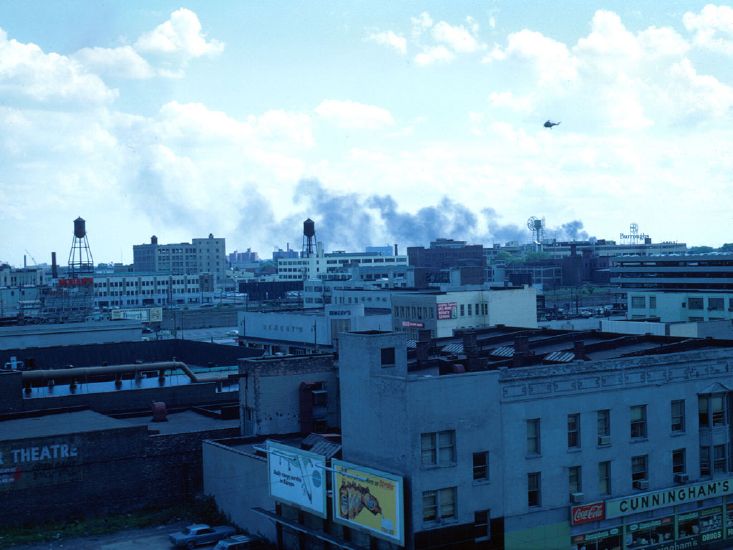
200	510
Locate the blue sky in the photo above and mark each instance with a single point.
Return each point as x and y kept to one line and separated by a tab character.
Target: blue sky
383	121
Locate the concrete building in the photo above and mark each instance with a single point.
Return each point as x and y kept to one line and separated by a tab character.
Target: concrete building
444	312
301	331
202	255
677	288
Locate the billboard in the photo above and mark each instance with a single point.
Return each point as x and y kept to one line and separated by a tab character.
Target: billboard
297	477
369	500
447	310
147	315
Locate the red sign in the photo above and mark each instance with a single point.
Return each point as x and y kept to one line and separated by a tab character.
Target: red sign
84	281
585	513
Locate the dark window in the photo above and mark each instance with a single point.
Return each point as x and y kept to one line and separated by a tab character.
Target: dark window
704	461
388	357
639	471
439	504
638	421
573	431
533	489
533	436
575	479
482	525
679	463
678	415
438	448
604	477
481	465
720	461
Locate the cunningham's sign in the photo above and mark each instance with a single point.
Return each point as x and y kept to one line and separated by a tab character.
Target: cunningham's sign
645	502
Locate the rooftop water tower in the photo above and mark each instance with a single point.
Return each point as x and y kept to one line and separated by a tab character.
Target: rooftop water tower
309	238
80	256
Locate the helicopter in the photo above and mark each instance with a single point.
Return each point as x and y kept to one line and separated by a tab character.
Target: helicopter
550	124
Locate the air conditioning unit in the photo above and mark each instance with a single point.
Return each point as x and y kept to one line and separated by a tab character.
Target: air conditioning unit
576	498
604	440
641	484
681	478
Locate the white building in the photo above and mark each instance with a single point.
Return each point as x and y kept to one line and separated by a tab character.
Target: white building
126	290
444	312
333	265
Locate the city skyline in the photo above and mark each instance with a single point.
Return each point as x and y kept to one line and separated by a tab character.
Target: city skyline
385	124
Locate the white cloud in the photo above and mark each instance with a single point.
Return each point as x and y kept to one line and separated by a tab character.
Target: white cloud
456	37
121	62
508	100
712	28
180	35
391	39
551	60
432	54
27	72
350	114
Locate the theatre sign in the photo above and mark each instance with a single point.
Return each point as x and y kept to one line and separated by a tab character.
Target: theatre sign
653	500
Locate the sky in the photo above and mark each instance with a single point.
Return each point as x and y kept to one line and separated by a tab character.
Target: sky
385	122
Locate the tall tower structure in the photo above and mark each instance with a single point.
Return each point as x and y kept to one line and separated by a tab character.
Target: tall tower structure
80	256
309	238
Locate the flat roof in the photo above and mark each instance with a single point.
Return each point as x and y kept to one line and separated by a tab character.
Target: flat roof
50	425
182	422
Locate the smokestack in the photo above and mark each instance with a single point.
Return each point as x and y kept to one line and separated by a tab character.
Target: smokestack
54	266
395	249
25	262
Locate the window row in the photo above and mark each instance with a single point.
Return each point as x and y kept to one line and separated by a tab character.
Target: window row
439	449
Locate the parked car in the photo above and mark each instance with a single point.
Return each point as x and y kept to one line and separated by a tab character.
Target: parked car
199	534
240	542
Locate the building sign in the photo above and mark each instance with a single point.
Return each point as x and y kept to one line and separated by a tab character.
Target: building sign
412	324
608	538
24	466
369	500
587	513
297	477
645	502
447	310
147	315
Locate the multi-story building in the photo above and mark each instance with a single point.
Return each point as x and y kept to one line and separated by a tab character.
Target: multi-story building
205	255
501	438
332	266
433	264
696	287
123	290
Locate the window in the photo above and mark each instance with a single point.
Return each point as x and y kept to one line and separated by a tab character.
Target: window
533	489
720	462
575	480
533	436
715	304
481	465
704	461
711	410
638	302
678	415
439	504
604	477
604	426
652	302
482	526
638	421
639	470
438	448
573	431
694	303
470	309
388	357
679	462
463	310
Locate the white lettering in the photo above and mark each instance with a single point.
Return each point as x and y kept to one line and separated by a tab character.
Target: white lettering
34	454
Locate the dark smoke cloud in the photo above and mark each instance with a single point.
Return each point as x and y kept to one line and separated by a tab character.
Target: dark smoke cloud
350	221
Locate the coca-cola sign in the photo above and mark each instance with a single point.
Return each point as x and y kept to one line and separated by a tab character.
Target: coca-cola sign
585	513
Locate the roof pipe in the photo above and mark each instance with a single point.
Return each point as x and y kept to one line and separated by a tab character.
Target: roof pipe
82	372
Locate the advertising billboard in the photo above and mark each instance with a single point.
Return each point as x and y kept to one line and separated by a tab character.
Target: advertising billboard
297	477
447	310
151	315
368	499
